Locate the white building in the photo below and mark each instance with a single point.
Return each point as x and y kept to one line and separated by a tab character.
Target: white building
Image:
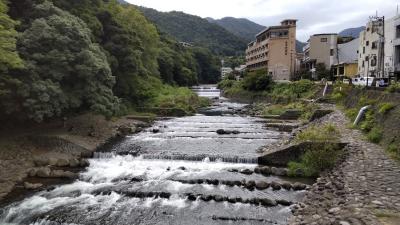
225	71
370	52
392	46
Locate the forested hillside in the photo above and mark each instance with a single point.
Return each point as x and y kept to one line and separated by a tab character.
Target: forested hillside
197	31
59	57
241	27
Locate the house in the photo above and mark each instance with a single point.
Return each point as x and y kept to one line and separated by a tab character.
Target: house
274	50
347	65
392	47
371	49
320	49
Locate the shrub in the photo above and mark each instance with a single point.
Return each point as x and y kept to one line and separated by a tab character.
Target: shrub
395	87
257	81
385	107
316	160
326	133
375	135
352	113
369	121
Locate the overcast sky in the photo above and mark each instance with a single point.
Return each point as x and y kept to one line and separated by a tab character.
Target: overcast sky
315	16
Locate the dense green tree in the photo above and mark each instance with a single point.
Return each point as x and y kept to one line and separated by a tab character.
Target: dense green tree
176	63
64	70
9	58
257	80
208	66
132	44
8	55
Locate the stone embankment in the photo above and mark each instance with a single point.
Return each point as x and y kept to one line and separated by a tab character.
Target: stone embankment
31	158
363	189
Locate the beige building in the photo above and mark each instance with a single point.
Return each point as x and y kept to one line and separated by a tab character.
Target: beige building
392	47
321	48
274	49
370	60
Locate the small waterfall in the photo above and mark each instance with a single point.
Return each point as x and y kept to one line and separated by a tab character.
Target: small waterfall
205	158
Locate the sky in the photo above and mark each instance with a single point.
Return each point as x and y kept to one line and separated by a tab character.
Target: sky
314	16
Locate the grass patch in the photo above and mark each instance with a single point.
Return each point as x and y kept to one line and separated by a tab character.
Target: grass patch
375	135
385	107
326	133
307	109
180	98
316	160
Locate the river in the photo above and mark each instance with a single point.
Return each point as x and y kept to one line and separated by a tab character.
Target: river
179	171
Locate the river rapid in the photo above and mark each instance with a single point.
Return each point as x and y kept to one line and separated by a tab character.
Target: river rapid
179	171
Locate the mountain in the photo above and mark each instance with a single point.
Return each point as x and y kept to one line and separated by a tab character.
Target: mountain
246	29
352	32
197	31
299	46
241	27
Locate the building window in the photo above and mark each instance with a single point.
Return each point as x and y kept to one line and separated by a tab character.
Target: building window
374	45
324	39
398	31
332	52
373	60
367	43
363	64
363	50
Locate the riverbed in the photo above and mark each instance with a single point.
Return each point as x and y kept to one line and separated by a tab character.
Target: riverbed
179	171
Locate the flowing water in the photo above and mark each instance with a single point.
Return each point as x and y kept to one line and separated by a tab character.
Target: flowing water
180	171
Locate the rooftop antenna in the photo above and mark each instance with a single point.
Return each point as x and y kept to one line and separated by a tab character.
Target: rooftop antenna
397	13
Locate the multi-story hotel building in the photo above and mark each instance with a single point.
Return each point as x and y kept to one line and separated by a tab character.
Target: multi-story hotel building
274	49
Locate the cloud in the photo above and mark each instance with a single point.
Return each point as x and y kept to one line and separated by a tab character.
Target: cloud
315	16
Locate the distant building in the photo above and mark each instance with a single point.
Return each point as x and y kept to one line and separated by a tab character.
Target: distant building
321	48
392	46
274	49
348	59
370	58
185	44
225	71
241	68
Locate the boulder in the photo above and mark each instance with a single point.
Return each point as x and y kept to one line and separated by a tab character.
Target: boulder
246	171
283	202
156	130
261	185
279	171
62	162
218	198
126	130
30	186
84	163
276	186
41	162
192	197
250	184
43	172
287	185
265	170
74	163
268	202
257	170
299	186
63	174
32	172
235	132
